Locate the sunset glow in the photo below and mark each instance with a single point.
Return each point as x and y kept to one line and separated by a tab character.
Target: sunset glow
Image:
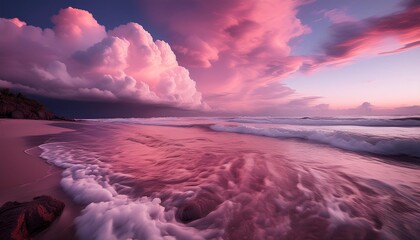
240	57
210	119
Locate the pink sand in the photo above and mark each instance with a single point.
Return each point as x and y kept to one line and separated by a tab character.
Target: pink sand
24	176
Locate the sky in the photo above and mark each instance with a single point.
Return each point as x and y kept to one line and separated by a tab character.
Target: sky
215	57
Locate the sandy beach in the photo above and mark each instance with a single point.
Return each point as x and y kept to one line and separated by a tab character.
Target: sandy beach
25	175
213	178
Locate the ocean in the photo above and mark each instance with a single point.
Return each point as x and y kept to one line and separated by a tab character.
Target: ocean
242	177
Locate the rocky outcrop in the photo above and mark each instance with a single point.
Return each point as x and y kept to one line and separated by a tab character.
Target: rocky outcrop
18	106
23	220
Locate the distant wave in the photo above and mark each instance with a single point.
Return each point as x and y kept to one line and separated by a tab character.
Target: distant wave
162	121
373	122
170	121
306	121
394	145
340	139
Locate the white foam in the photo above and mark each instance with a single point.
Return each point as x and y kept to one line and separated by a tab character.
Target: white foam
123	218
344	140
84	177
86	187
110	215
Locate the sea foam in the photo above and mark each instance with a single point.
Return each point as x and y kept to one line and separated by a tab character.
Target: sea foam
150	183
109	214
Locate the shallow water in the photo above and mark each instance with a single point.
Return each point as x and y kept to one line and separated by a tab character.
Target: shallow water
191	182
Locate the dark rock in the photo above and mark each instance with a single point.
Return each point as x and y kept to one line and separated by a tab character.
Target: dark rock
23	220
17	114
18	106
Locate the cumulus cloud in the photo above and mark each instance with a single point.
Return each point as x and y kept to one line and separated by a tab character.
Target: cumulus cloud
234	49
350	39
79	59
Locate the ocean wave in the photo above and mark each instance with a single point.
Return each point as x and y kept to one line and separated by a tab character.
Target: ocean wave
190	121
143	121
372	122
110	214
139	186
340	139
161	121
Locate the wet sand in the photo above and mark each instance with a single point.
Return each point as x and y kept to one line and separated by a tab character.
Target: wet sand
24	176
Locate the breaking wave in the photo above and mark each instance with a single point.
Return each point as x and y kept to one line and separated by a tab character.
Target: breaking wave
110	214
384	136
154	182
339	139
372	122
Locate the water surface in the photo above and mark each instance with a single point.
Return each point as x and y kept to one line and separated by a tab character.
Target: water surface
243	178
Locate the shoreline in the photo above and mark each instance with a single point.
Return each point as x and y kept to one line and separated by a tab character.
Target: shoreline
24	175
225	172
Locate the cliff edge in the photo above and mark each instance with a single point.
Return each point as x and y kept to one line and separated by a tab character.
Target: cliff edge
16	105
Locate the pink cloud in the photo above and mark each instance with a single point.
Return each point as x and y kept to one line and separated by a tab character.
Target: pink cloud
17	22
79	59
76	29
352	39
232	48
337	16
403	48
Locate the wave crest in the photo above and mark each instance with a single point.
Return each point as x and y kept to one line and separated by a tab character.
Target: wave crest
340	139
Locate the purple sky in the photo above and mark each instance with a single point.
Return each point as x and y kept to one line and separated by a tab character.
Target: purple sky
288	58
